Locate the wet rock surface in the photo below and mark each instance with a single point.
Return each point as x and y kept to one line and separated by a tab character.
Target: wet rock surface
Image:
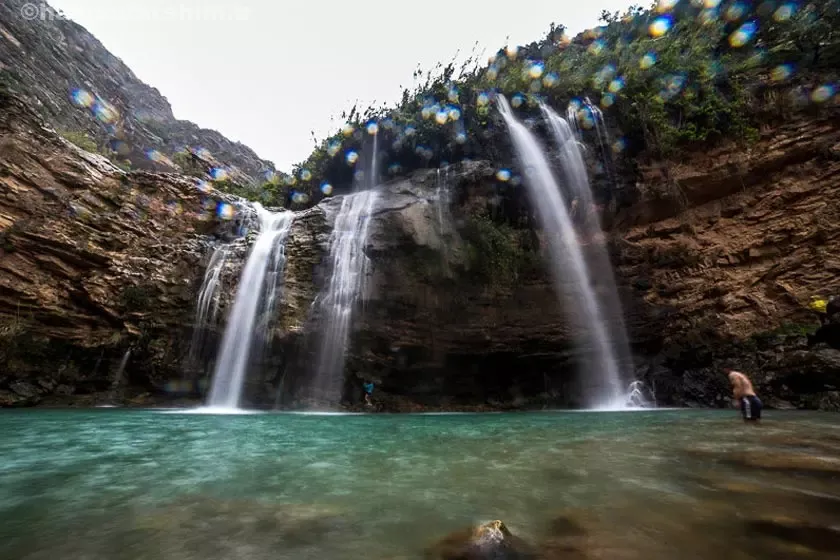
93	262
491	541
723	252
716	256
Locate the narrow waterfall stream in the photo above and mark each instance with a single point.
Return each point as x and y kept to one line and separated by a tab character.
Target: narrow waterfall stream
349	267
256	293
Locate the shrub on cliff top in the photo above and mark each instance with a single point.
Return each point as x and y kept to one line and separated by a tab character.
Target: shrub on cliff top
671	76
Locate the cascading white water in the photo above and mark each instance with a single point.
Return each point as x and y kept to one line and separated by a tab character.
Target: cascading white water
207	307
442	195
573	115
577	181
349	267
639	396
568	265
264	265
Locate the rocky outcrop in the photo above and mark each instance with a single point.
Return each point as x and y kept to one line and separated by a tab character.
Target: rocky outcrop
93	262
722	254
458	311
715	262
491	541
71	80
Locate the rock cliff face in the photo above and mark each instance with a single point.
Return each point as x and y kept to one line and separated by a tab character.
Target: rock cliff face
93	262
723	253
77	86
716	263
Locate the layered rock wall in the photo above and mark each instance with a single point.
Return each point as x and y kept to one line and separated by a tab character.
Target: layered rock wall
723	253
93	262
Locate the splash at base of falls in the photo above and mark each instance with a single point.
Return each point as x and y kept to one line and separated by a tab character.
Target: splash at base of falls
637	397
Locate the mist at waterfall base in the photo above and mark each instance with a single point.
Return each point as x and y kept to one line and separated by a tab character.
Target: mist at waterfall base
600	376
254	302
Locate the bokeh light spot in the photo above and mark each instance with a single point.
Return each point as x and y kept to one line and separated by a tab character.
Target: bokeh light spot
735	11
596	47
372	128
219	174
536	69
708	16
822	94
660	26
782	72
334	147
483	99
784	12
300	198
348	129
550	79
517	100
352	157
647	61
503	175
453	94
608	100
665	5
616	85
743	35
305	175
225	211
82	98
327	189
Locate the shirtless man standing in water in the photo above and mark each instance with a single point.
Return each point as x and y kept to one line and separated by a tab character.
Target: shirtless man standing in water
744	394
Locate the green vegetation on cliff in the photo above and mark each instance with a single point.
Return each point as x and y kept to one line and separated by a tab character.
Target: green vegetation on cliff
680	73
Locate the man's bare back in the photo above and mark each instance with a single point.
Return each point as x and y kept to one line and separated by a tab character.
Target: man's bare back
744	395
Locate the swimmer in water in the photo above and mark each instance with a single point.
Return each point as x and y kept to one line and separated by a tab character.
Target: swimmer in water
744	395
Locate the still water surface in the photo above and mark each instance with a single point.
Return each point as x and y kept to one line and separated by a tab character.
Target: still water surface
120	484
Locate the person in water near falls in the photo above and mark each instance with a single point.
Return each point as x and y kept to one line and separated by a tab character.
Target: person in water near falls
744	395
368	389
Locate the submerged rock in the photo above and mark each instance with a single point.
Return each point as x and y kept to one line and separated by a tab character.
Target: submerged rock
799	532
491	541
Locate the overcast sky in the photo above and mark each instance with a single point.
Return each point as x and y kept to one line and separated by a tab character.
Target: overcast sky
267	72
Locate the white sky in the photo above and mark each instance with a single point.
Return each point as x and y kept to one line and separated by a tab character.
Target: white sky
267	72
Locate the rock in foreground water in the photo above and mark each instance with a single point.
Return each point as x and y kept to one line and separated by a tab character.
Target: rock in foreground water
491	541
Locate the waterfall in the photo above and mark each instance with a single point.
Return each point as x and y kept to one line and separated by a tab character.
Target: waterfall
256	294
573	116
577	181
349	267
442	195
567	262
207	308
